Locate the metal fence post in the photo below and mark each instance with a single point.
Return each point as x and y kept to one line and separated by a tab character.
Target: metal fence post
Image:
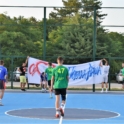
94	40
109	76
44	46
28	85
0	52
11	72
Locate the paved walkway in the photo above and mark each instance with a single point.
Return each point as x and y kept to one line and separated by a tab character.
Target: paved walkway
97	86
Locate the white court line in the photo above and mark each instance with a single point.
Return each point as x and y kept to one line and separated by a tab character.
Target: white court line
60	121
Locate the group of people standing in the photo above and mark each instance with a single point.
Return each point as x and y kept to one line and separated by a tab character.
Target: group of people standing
57	78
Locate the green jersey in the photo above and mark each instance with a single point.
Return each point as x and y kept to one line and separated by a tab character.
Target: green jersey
122	71
60	74
49	72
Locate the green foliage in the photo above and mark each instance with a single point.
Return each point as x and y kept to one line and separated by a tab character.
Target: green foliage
20	37
85	8
16	43
88	11
75	40
71	38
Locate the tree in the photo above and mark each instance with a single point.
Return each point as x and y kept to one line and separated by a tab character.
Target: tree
72	7
88	9
102	43
16	43
116	44
83	7
74	41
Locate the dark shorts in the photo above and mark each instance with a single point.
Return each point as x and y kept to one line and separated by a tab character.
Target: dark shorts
49	83
2	84
60	91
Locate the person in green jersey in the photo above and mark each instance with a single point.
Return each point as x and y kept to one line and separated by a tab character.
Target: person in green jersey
60	78
123	75
48	71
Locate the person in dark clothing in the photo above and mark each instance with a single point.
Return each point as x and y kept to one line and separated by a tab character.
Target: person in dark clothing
22	71
43	77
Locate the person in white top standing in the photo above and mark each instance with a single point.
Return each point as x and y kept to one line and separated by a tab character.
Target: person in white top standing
105	72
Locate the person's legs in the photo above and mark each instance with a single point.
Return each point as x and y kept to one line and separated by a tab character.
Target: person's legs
49	84
106	82
106	87
63	96
21	85
50	92
1	96
45	85
24	80
103	84
2	93
21	82
2	89
42	86
57	104
102	87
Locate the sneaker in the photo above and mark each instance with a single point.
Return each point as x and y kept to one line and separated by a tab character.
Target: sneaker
57	115
1	104
51	96
101	91
62	105
45	90
62	112
106	91
24	89
42	90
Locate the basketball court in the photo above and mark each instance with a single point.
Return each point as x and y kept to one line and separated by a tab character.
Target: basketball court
81	108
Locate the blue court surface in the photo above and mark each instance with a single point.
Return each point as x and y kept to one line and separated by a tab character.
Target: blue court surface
103	102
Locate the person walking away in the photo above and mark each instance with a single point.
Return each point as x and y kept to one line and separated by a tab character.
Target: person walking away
22	71
60	79
48	71
106	67
3	79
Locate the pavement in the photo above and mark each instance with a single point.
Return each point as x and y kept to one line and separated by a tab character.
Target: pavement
97	86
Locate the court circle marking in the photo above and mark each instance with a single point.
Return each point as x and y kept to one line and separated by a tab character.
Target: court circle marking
80	114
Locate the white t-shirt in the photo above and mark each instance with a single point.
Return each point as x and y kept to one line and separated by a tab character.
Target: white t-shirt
105	69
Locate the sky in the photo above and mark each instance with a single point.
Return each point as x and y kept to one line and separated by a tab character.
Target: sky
114	17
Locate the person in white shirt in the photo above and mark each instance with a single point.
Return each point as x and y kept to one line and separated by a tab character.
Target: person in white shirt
105	72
